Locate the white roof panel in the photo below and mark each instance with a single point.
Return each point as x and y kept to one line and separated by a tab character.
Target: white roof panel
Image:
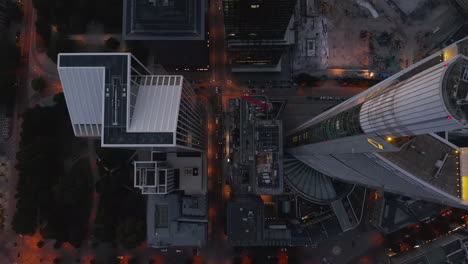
157	104
83	88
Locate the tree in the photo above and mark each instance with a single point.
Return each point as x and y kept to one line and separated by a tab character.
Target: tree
40	244
14	11
43	28
8	87
24	221
9	57
60	43
38	84
112	43
133	261
114	157
114	260
131	232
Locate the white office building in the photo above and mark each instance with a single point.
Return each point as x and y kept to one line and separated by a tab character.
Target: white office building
112	96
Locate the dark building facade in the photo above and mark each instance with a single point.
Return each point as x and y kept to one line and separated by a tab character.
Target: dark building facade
3	17
256	31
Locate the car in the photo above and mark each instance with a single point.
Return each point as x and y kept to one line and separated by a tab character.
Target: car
217	89
178	251
18	34
217	156
164	250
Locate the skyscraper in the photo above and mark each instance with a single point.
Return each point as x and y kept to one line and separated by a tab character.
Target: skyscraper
164	20
257	32
114	97
386	136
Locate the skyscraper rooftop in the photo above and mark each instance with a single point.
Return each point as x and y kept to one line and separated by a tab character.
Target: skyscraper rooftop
113	96
164	20
385	137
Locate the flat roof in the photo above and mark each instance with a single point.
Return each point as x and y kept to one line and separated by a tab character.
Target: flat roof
157	103
431	160
118	67
245	221
191	184
168	226
269	157
261	146
164	19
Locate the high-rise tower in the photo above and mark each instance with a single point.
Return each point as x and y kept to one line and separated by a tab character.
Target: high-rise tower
114	97
386	136
257	33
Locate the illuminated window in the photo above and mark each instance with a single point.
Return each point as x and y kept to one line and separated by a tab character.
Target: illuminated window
254	6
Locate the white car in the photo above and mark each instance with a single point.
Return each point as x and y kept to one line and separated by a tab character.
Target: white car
164	250
178	251
217	156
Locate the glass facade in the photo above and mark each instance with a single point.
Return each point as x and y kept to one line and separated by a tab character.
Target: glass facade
191	125
344	124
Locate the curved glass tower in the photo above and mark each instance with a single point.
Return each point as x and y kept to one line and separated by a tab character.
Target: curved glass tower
385	137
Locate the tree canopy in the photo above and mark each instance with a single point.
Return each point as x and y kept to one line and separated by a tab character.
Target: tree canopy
52	190
38	84
112	43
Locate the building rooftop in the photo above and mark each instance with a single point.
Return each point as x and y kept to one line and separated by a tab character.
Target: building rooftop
168	225
451	247
128	105
252	221
396	215
164	20
192	172
261	145
430	159
156	107
268	164
456	89
245	221
458	48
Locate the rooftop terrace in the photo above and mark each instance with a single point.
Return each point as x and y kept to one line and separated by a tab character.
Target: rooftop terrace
431	160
